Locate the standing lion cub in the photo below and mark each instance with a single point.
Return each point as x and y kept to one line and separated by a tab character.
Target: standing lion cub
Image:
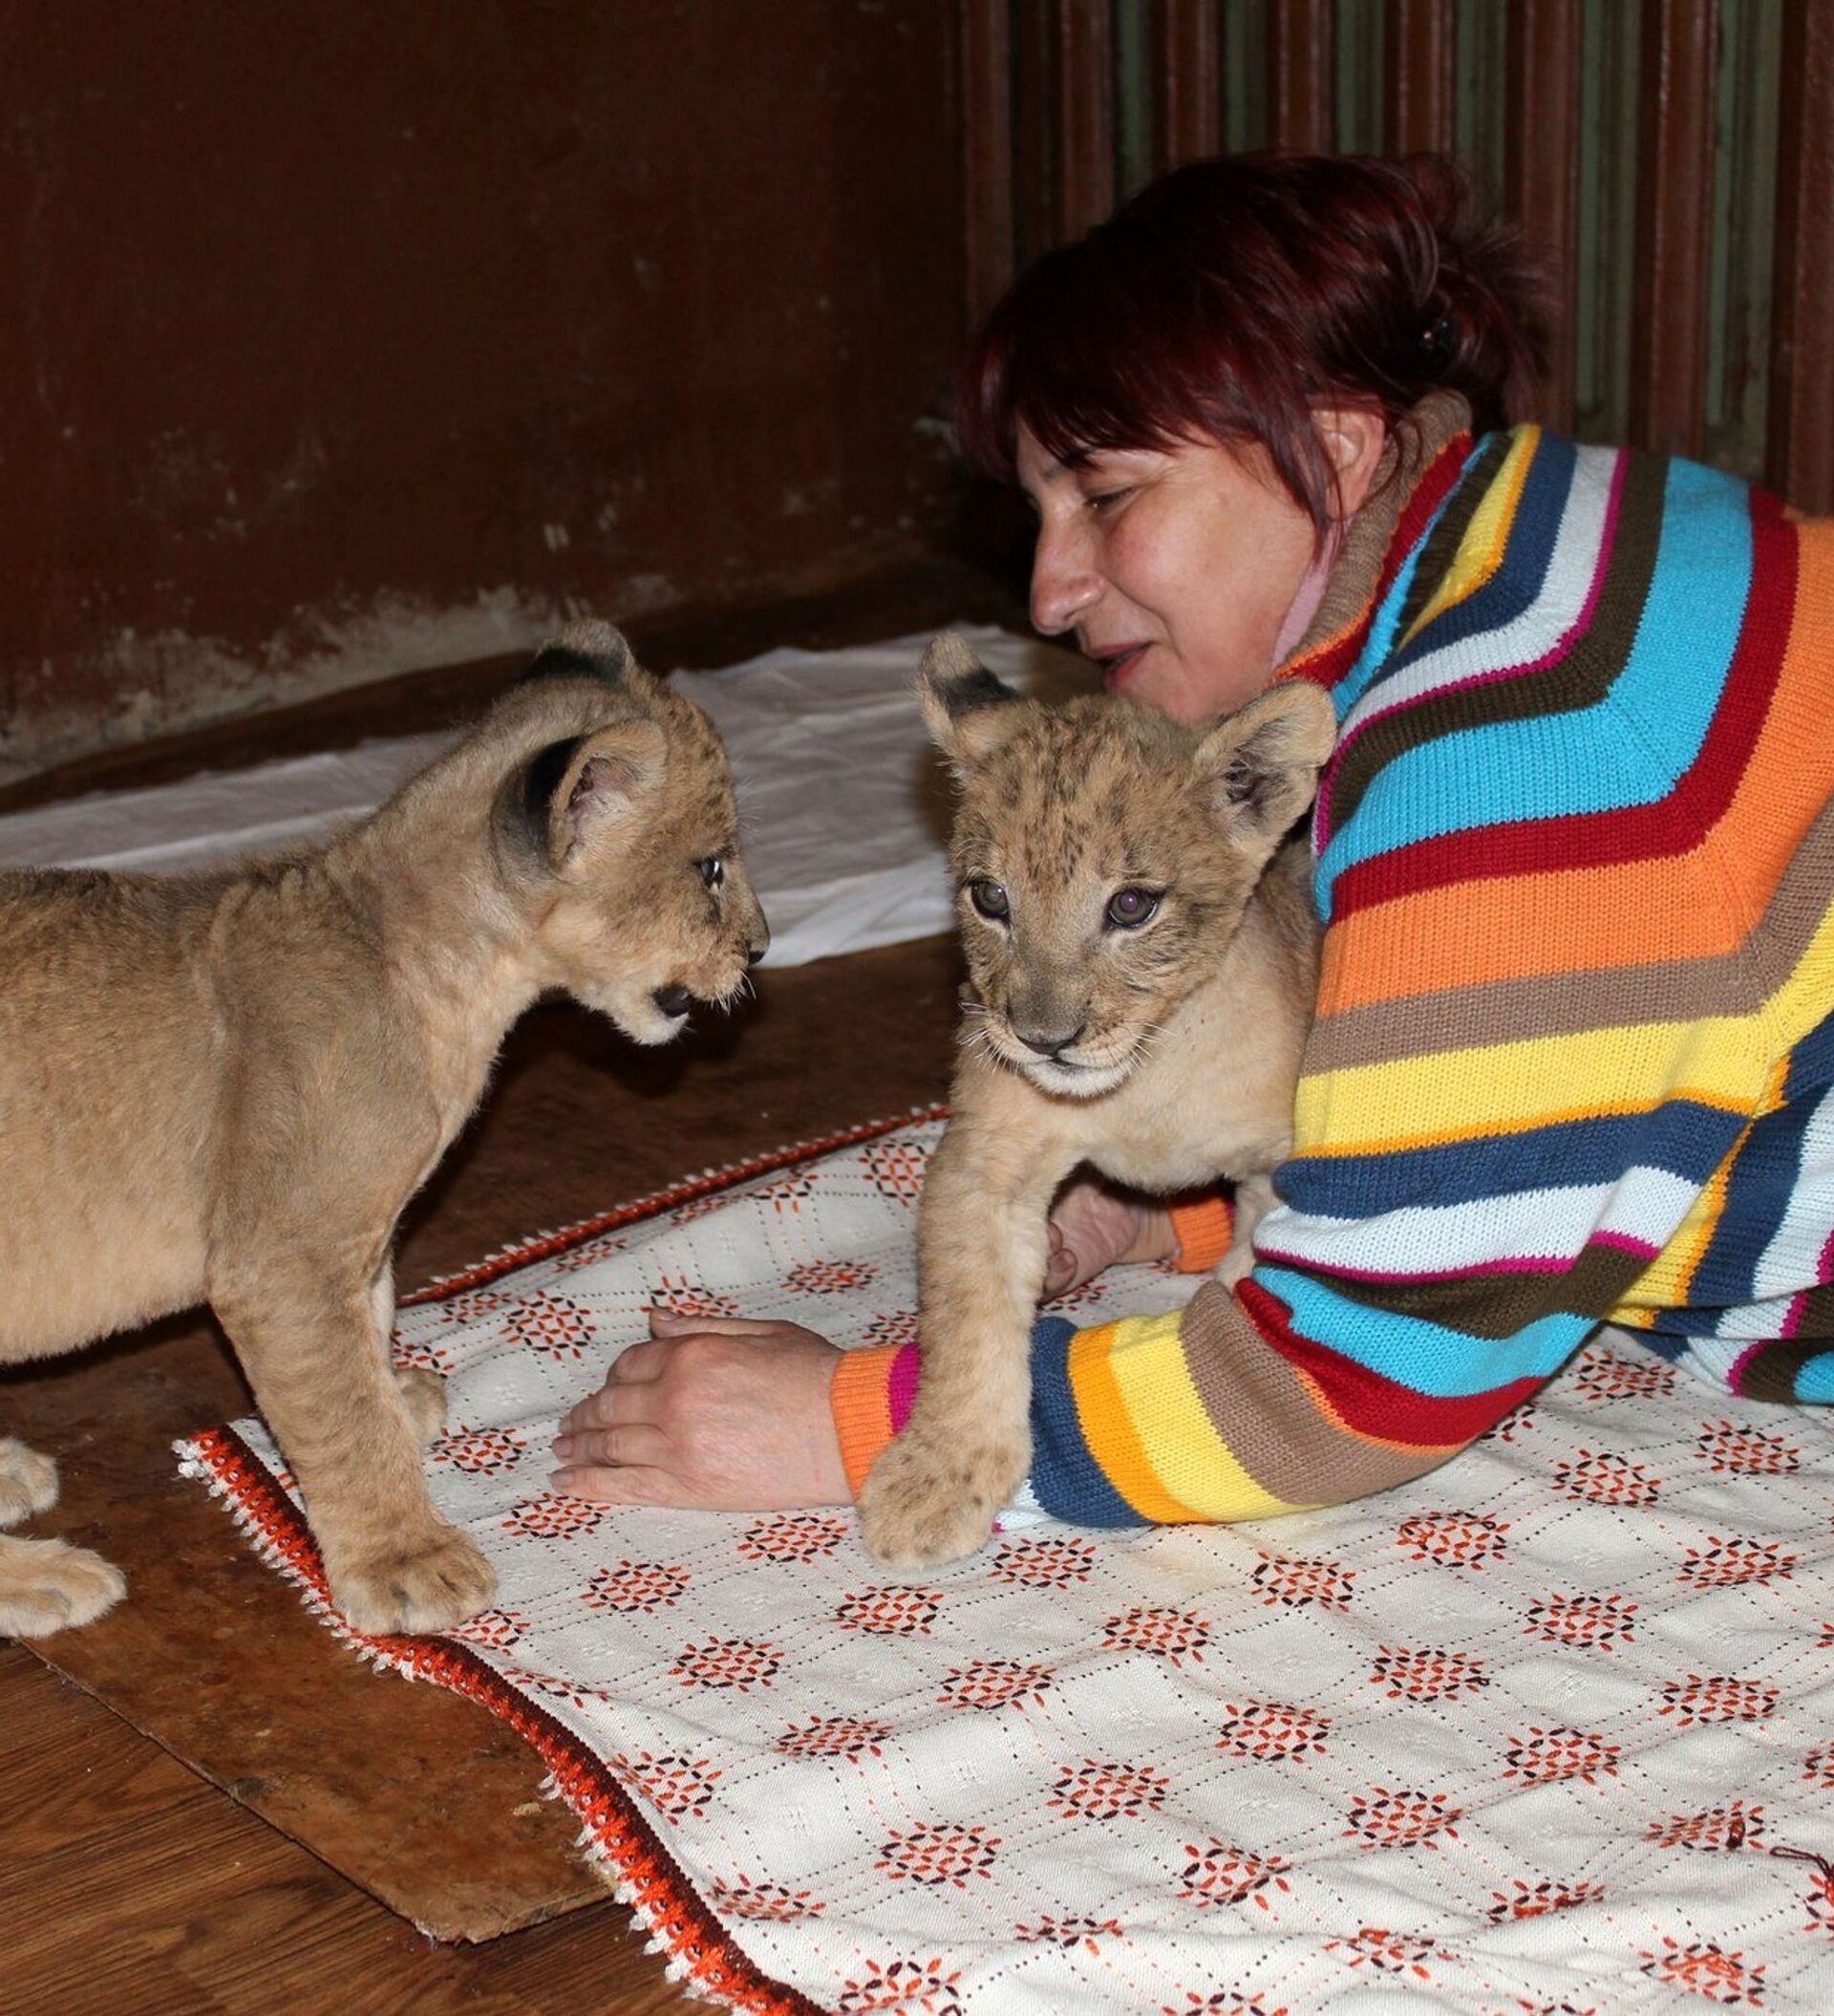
1143	957
227	1085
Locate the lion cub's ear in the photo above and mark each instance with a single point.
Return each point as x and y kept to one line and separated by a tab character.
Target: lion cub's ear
967	710
579	793
1266	756
590	649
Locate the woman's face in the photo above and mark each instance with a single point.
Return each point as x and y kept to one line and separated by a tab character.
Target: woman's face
1178	568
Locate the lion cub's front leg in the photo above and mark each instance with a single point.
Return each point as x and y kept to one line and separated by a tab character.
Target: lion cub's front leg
307	1324
982	1249
1254	1199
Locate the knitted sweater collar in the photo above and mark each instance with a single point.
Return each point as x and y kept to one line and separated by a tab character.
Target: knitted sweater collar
1423	458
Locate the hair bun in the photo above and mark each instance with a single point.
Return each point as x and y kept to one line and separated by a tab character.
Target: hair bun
1484	328
1438	341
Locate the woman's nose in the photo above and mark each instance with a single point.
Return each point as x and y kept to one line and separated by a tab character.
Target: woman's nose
1063	583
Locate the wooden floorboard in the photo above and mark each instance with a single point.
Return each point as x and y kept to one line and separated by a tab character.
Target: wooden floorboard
209	1826
130	1885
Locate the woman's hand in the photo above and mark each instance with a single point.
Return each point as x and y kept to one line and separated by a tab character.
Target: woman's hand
712	1414
1094	1227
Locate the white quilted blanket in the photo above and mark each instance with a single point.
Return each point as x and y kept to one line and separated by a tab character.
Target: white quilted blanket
1552	1730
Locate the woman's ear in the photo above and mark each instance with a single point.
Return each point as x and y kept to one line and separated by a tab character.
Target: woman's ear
1354	438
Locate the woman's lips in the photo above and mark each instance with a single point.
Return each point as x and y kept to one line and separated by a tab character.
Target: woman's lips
1117	665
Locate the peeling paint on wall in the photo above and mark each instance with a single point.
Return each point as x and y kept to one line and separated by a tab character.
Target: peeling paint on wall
165	681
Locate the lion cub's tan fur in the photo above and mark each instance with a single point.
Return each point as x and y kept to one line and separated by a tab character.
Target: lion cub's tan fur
1163	1054
227	1085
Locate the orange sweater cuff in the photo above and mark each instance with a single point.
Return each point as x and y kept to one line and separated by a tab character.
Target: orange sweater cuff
861	1398
1205	1227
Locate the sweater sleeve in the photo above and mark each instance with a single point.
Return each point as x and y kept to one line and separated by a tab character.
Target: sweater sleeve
873	1387
1219	1411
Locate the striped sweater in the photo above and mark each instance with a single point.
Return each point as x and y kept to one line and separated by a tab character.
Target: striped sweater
1573	1060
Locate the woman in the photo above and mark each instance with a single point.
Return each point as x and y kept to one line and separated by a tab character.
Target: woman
1573	1057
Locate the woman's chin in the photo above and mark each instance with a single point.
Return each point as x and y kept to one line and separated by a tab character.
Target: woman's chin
1191	697
1122	675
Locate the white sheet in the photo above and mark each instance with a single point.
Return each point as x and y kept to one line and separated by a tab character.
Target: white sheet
844	807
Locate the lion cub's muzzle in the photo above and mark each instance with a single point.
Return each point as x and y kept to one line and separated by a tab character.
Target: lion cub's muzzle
1069	1061
675	999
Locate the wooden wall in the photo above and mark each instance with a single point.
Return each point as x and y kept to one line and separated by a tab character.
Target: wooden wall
342	340
1674	158
339	339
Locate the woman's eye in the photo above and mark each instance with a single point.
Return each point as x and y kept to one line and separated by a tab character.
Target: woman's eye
990	899
1128	909
1101	501
711	871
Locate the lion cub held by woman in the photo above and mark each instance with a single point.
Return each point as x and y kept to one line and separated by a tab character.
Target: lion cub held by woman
1142	956
227	1085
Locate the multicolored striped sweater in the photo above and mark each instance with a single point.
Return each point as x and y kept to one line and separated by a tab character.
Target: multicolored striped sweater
1573	1061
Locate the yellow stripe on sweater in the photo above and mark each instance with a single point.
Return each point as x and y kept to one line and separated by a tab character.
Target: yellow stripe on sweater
1131	1381
1502	1087
1801	1003
1481	550
1101	1413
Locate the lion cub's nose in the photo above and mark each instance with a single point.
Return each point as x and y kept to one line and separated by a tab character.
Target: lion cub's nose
672	1000
1047	1045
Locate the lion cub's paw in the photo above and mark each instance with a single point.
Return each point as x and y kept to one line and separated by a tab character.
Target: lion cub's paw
924	1506
423	1394
427	1587
27	1482
49	1585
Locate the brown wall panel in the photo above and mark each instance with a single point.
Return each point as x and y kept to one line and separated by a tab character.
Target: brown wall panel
1086	136
1187	81
1675	217
1418	114
1541	170
1299	82
987	158
342	338
1800	446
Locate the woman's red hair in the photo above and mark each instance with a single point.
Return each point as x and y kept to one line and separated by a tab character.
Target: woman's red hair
1231	297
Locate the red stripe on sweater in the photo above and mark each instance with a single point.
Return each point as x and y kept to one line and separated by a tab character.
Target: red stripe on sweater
1368	1405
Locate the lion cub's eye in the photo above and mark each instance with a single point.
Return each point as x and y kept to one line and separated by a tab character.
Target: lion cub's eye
711	871
1128	909
990	899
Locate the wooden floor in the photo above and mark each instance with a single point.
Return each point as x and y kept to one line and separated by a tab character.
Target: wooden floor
128	1883
132	1882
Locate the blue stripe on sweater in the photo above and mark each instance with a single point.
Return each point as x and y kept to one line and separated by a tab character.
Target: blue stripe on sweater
1069	1483
1408	1351
1811	1064
1629	749
1759	1187
1513	587
1684	1137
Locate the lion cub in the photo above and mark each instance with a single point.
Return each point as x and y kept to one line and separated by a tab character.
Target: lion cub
1143	957
227	1085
